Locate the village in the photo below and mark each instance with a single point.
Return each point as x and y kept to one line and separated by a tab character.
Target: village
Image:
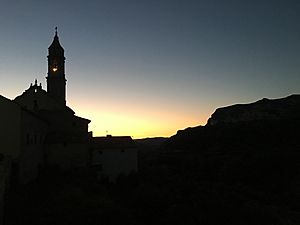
40	131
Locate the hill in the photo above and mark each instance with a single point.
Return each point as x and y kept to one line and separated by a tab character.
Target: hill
246	159
270	122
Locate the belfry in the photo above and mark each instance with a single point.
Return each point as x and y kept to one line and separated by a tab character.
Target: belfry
56	80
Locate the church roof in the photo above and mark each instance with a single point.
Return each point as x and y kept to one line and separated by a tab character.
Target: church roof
44	102
55	45
24	109
5	99
84	119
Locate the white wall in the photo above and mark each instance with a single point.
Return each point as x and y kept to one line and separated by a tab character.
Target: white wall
115	161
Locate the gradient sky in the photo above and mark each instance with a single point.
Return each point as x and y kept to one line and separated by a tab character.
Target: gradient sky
150	67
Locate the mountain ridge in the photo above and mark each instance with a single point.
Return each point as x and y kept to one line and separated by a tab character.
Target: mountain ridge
264	109
276	118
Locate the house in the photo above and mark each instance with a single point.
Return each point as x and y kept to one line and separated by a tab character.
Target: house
113	156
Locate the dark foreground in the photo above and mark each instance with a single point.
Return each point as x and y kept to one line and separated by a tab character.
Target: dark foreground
171	188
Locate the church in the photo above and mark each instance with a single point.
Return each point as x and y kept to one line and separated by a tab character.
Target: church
42	131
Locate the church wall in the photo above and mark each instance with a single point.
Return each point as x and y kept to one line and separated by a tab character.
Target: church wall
67	155
64	122
33	133
10	117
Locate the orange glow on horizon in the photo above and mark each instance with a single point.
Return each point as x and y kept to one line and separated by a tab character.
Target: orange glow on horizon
137	124
122	125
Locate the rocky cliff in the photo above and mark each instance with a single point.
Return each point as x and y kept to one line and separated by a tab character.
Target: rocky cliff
264	109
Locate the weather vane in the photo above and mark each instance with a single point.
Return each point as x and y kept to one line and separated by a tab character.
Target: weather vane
56	30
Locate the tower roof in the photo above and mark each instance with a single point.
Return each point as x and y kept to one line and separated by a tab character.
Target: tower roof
55	45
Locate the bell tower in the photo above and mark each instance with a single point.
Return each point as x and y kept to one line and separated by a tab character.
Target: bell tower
56	79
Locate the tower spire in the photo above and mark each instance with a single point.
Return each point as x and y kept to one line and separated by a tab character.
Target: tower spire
56	81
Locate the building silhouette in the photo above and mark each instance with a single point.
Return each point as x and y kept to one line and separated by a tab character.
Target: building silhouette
56	79
42	131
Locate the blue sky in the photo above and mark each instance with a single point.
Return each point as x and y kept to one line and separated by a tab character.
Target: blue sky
148	68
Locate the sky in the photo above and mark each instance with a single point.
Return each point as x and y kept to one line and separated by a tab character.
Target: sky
148	68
